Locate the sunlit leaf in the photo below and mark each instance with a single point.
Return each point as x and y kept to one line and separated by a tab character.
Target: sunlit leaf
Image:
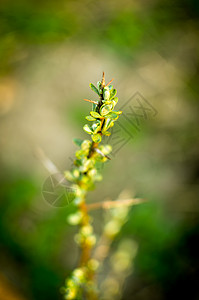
115	100
88	129
96	138
113	93
107	123
96	126
107	133
88	163
106	93
94	89
105	109
86	145
95	114
94	106
80	153
112	115
89	118
119	112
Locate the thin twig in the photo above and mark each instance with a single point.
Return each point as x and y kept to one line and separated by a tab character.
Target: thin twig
116	203
101	153
103	81
110	82
47	163
95	102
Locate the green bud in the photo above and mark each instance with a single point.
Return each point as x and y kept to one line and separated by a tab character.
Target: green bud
86	230
91	240
75	219
93	264
75	173
79	274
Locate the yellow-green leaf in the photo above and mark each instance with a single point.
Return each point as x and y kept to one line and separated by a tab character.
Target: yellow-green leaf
95	114
94	89
96	138
88	129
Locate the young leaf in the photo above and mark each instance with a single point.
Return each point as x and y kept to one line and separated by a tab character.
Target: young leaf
95	114
99	85
96	138
107	124
106	93
88	129
95	127
105	109
85	145
113	93
94	106
94	89
89	118
87	164
119	112
115	100
112	115
78	142
107	133
80	154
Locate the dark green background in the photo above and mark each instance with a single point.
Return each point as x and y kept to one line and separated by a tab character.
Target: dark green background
161	164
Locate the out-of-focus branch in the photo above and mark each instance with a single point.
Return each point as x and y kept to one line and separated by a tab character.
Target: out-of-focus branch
115	203
47	163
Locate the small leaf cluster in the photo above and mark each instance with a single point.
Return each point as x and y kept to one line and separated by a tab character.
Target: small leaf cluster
90	153
79	279
102	116
85	172
76	279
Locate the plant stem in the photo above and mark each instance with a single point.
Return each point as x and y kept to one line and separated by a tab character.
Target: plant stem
86	249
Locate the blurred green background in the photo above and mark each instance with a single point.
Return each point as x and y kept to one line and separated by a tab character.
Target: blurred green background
49	53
